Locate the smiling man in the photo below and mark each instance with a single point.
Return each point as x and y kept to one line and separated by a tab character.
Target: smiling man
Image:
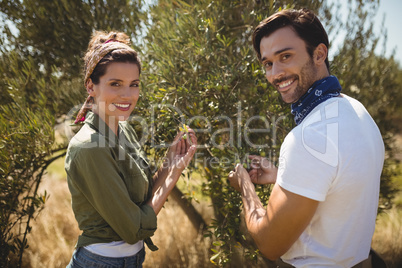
323	206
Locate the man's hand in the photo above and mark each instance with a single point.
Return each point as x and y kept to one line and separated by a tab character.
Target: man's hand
262	170
237	175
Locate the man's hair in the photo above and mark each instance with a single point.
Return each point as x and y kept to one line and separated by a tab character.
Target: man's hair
304	22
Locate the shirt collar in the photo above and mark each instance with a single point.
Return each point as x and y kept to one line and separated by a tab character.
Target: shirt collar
97	123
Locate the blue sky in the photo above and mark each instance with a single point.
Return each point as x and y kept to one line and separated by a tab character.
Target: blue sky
393	22
392	9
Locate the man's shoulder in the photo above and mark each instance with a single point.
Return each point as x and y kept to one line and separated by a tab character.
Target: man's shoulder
334	110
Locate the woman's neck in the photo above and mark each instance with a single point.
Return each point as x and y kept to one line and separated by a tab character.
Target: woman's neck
111	121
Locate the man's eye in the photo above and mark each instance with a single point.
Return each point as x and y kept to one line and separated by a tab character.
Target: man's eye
268	65
285	57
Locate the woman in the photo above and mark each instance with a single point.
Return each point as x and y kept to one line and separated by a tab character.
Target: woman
115	198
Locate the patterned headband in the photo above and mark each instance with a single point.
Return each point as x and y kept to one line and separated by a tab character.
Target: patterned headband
98	54
95	58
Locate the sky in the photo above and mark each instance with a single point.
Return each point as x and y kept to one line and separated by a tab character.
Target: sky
393	23
392	9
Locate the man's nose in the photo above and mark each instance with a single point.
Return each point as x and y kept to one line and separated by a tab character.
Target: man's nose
277	71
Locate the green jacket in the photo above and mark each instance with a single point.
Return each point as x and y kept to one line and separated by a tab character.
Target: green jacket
109	180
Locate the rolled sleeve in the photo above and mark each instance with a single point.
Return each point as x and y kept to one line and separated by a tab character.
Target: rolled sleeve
148	222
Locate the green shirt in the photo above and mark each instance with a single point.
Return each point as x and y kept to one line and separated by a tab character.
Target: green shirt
109	180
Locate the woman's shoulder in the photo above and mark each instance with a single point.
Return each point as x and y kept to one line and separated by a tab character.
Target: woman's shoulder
87	140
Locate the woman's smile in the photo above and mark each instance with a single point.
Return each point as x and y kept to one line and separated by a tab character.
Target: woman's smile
122	106
117	92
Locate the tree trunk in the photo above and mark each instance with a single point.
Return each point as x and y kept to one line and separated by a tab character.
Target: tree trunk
193	215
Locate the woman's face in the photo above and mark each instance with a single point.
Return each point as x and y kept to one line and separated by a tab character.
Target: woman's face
117	92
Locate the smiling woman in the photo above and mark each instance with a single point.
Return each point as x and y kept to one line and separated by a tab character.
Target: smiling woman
116	94
109	53
115	197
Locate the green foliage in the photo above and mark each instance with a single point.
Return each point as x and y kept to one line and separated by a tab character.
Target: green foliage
55	35
199	59
40	70
26	140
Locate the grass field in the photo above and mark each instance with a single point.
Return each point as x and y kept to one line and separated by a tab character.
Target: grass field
55	231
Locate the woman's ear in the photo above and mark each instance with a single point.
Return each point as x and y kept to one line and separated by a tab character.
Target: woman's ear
320	54
90	88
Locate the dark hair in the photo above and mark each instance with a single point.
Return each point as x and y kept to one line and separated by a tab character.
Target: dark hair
304	22
118	55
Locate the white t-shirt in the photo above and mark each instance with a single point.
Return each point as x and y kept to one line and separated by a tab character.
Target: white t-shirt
117	249
335	156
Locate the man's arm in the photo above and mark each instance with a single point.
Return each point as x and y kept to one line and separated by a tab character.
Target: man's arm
276	228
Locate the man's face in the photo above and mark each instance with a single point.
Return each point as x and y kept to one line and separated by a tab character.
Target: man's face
288	66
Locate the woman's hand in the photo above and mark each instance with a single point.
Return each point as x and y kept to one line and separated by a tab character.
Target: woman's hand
262	170
177	159
181	151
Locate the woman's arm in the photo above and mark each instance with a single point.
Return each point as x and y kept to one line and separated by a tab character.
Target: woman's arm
177	159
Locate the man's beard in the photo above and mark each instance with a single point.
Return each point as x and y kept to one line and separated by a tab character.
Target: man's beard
308	75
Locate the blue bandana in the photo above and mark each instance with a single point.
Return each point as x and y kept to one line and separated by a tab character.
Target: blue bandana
319	92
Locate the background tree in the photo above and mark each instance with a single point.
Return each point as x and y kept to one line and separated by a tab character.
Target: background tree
201	61
55	34
373	79
27	146
40	70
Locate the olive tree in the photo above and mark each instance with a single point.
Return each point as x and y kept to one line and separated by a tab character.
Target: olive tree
201	70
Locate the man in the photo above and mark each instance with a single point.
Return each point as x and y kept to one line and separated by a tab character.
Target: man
323	206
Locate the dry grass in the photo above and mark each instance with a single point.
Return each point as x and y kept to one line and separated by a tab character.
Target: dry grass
55	231
180	244
387	239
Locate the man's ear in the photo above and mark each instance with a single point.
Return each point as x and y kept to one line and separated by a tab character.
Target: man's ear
90	88
320	54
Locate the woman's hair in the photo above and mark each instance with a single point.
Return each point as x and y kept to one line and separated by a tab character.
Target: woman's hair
119	55
304	22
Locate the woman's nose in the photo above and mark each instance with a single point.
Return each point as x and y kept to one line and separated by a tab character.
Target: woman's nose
126	92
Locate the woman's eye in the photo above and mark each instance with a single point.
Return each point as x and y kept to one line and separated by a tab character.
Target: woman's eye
114	84
135	85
